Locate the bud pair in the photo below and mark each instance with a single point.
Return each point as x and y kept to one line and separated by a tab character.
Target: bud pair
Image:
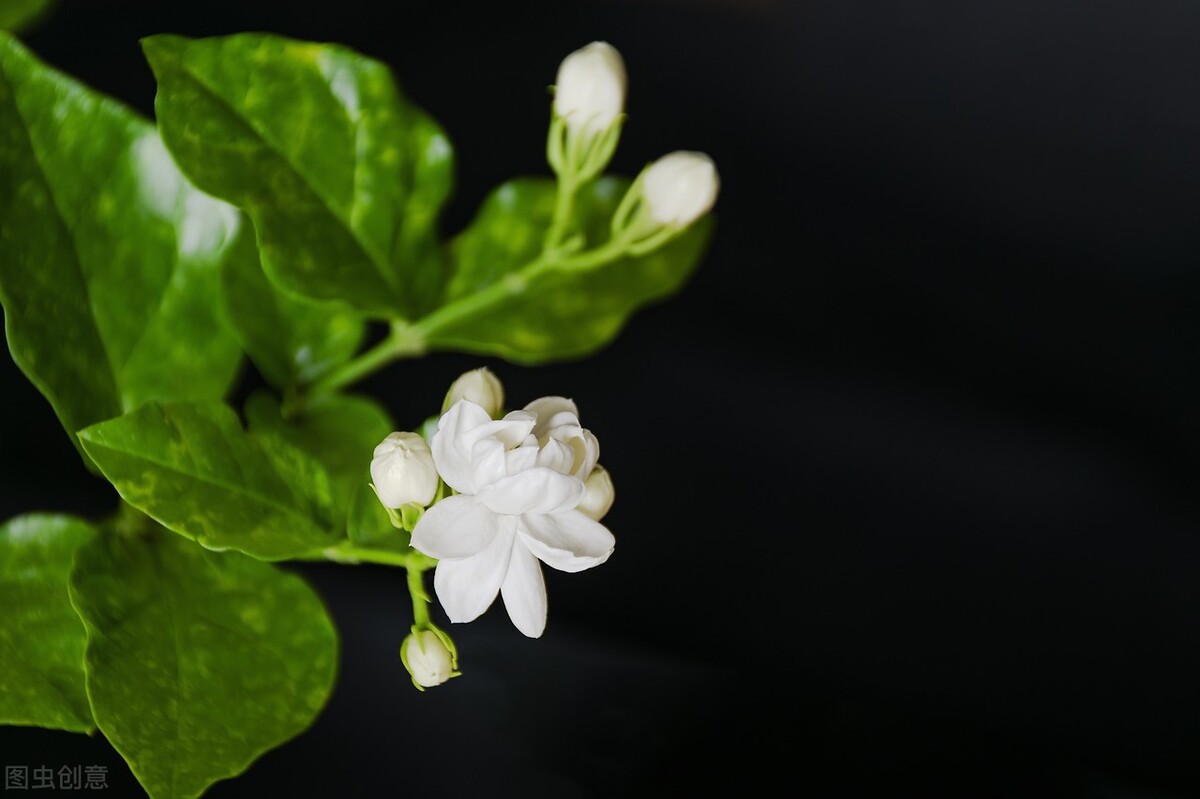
589	100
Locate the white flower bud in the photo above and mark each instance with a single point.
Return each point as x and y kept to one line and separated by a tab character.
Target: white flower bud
402	471
598	494
481	387
680	187
589	93
427	659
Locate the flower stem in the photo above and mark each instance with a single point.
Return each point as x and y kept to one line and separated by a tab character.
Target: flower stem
420	599
408	340
564	202
401	342
515	283
412	559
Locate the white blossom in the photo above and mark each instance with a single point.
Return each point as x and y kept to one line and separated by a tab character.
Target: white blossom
519	480
589	93
403	471
427	659
480	386
598	494
680	187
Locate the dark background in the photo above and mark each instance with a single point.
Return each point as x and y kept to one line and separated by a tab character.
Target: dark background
906	476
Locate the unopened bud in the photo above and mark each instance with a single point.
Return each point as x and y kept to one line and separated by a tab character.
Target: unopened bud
679	188
589	93
402	471
481	387
427	658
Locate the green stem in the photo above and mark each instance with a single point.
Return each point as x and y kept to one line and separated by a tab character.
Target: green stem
401	342
351	554
515	283
420	599
348	553
564	202
407	340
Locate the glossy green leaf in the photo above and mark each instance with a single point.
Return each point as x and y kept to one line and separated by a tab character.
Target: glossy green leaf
339	431
342	176
41	636
192	468
198	661
291	340
21	15
559	314
109	259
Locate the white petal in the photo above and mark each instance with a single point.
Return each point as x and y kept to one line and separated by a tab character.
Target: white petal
569	542
513	428
453	459
463	427
551	412
524	592
557	455
489	463
456	527
522	458
467	587
536	490
587	453
599	494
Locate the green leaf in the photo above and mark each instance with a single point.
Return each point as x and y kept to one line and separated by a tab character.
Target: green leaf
41	636
342	176
291	340
192	468
198	662
108	258
560	313
339	431
21	15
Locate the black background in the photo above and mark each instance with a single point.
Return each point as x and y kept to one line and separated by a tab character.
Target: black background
906	476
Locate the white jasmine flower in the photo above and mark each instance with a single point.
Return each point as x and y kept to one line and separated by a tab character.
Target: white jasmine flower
589	93
520	480
480	386
427	659
680	187
403	472
598	494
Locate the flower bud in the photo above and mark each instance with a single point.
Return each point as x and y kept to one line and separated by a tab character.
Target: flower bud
402	471
427	659
680	187
598	494
480	386
589	93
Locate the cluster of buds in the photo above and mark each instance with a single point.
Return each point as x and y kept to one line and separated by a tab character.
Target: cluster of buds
588	112
490	497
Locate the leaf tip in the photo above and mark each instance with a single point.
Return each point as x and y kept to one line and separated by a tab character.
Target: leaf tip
159	47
